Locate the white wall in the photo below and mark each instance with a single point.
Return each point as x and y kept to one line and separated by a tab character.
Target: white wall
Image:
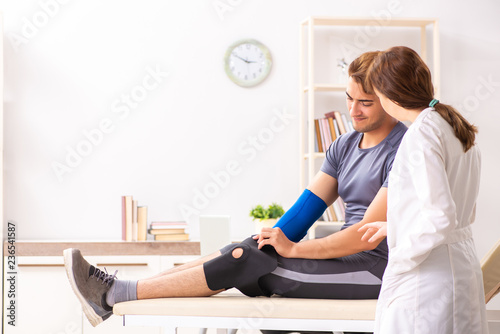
68	75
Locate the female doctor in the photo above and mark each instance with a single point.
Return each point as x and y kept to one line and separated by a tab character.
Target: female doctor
433	281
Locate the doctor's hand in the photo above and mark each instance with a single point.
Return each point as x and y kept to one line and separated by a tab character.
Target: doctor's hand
374	232
276	238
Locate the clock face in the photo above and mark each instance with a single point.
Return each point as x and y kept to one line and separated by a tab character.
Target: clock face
247	62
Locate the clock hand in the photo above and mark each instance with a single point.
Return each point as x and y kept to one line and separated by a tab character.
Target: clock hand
246	61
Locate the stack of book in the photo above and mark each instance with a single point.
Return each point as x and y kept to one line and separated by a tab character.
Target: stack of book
329	128
169	230
134	220
335	212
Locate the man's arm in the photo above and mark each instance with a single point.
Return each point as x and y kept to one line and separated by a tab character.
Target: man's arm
342	243
309	207
325	187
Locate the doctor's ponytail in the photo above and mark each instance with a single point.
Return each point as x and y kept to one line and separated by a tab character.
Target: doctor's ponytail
402	76
464	131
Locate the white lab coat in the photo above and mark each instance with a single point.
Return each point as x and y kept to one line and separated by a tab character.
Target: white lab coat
433	281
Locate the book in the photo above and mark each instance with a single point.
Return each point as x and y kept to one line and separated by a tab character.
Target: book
330	114
172	237
127	217
338	211
329	128
351	127
124	220
167	231
346	124
339	208
168	225
318	135
329	215
340	122
332	128
333	217
326	218
341	203
336	127
322	134
142	223
326	131
134	220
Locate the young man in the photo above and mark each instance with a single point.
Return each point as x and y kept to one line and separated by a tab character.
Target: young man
338	266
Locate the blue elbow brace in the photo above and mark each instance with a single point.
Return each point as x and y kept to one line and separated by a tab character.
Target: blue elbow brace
296	221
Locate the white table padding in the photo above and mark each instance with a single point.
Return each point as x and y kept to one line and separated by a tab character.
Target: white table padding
241	306
231	310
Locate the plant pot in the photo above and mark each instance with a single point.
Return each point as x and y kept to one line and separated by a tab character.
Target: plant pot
259	224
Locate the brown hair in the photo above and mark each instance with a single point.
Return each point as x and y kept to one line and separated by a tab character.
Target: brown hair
402	76
359	68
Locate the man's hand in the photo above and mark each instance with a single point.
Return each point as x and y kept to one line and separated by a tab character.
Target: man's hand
374	232
276	238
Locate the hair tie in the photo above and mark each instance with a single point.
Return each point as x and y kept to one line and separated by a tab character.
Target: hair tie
433	103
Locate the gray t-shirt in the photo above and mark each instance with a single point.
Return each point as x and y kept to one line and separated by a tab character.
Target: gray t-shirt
361	172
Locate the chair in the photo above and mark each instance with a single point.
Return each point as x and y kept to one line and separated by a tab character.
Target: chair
490	265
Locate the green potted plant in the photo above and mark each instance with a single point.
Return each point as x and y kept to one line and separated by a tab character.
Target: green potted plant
266	217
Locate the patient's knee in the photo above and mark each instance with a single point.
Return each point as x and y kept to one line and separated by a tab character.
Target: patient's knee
237	253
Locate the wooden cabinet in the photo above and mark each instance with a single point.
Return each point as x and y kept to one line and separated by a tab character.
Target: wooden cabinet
46	304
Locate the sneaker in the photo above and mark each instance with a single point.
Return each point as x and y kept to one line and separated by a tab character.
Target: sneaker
90	285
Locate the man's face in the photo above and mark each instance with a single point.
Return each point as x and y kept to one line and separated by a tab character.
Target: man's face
366	111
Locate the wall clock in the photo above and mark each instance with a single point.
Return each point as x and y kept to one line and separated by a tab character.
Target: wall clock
247	62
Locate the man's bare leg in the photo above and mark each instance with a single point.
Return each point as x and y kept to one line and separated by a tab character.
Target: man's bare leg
188	265
98	291
189	282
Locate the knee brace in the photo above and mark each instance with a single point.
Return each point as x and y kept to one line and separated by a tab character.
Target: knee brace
243	272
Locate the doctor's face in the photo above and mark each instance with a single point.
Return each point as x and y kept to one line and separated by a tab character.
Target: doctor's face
365	109
389	106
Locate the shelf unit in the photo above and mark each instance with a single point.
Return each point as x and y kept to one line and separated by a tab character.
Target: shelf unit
309	87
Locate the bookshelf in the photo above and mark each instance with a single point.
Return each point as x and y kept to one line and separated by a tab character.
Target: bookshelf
310	62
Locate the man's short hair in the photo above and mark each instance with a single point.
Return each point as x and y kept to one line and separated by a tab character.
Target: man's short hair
359	67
